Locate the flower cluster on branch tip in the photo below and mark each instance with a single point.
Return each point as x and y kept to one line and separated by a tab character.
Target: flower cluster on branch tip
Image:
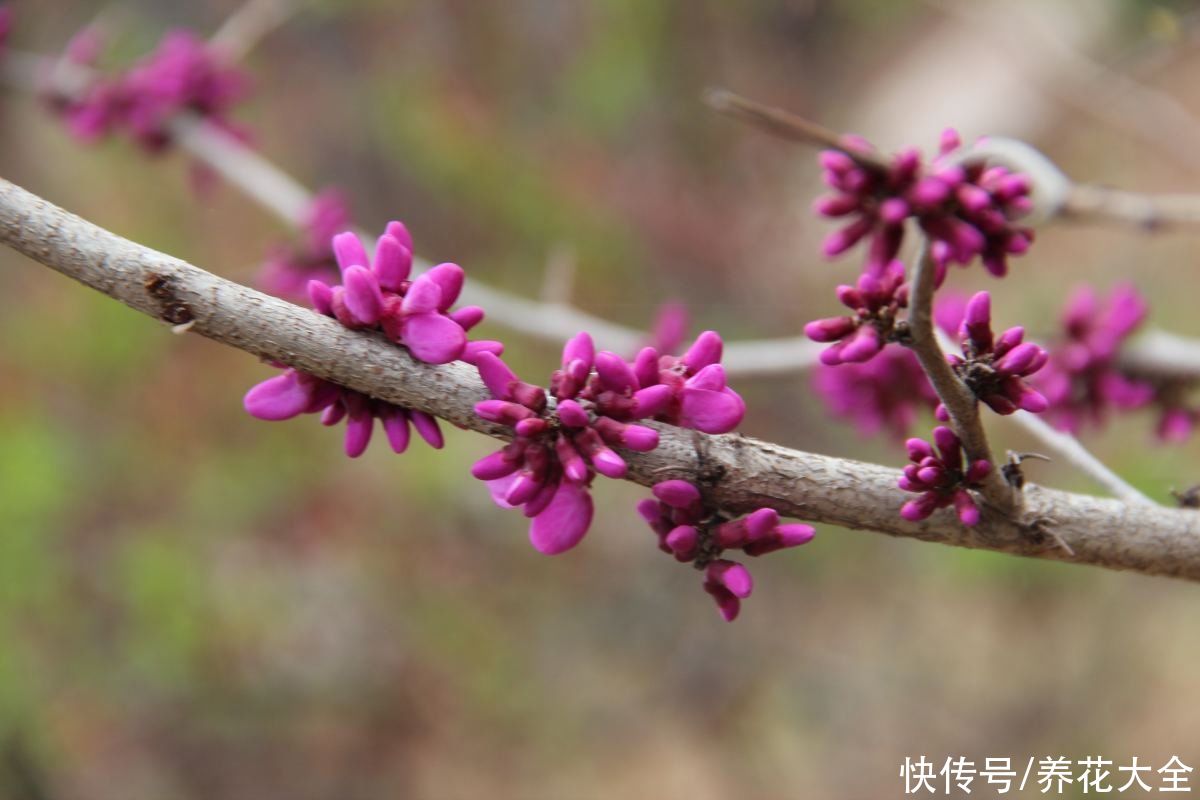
941	478
182	74
994	368
564	436
377	294
694	533
875	301
967	208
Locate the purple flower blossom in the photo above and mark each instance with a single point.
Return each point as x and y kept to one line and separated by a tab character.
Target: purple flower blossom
1082	381
695	393
696	534
560	445
886	393
182	74
940	478
1176	422
967	209
875	301
565	437
293	393
992	367
377	294
289	268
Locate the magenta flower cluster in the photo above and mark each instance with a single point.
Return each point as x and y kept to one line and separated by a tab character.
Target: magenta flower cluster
995	368
695	534
182	74
293	393
562	438
377	294
940	478
967	209
1084	380
875	302
885	394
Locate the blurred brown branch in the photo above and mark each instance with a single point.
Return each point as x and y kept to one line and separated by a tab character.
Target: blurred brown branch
1067	200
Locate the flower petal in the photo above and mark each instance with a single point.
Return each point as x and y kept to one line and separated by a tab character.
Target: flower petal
278	398
433	338
563	523
710	412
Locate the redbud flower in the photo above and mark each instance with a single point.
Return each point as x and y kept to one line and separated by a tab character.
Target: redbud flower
969	209
875	302
1176	422
293	393
693	391
886	393
563	439
993	367
289	268
182	75
696	534
940	478
1082	381
377	293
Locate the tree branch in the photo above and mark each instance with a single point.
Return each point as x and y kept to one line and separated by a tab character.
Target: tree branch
1070	449
1161	355
959	401
752	474
250	24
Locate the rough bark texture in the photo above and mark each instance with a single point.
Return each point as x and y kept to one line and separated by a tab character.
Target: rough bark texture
738	472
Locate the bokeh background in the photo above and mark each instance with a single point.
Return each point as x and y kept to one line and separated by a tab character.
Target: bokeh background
195	604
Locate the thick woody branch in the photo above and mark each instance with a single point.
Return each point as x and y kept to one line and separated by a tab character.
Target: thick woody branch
742	474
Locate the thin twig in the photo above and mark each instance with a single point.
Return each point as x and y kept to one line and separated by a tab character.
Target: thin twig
1057	196
1067	447
558	279
1079	457
250	24
787	125
959	401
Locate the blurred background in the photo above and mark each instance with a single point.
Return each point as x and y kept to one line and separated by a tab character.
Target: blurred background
195	604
